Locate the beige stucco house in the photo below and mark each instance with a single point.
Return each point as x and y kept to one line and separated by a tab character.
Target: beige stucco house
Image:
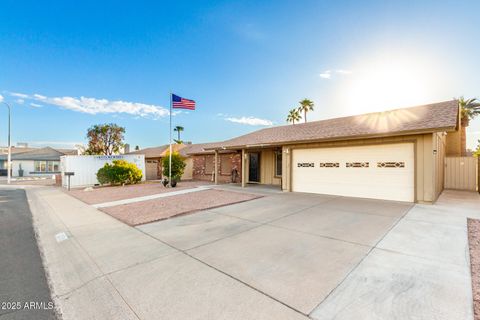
393	155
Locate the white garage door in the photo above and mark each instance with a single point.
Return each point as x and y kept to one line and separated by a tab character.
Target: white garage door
377	172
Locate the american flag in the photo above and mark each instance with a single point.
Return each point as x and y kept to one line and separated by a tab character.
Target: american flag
182	103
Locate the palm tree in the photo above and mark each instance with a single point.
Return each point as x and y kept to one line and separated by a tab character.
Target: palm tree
306	106
294	115
178	129
470	109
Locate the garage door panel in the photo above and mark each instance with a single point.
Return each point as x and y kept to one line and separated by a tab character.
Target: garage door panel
391	183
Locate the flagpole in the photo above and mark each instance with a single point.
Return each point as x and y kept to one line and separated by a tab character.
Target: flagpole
170	153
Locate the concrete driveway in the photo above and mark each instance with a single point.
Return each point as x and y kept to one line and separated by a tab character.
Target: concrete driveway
294	248
283	256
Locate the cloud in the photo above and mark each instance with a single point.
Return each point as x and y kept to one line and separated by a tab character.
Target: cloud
326	74
250	121
19	95
342	71
99	106
1	98
35	105
20	101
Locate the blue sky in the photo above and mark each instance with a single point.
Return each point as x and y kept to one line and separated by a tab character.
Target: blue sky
245	63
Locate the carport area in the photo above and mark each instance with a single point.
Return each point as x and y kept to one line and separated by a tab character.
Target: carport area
282	256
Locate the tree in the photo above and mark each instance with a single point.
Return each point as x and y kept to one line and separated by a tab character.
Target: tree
105	139
306	106
476	153
178	166
294	115
470	108
178	129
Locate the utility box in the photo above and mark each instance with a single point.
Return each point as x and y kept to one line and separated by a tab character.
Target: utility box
86	167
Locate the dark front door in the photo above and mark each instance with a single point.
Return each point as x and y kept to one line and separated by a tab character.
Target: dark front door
254	167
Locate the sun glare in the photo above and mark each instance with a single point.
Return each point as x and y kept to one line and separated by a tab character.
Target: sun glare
389	83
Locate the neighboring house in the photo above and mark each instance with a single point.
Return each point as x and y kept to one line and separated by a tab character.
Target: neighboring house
34	161
392	155
153	160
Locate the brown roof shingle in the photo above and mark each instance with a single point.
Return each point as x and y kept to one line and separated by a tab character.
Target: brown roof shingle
426	118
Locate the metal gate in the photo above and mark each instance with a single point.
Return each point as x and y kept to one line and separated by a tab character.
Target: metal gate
461	173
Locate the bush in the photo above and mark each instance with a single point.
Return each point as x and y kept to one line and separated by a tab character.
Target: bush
178	166
120	172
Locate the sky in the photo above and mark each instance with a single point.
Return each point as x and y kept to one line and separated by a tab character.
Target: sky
67	65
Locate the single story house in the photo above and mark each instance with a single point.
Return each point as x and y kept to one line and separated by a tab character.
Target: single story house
201	163
153	160
34	161
392	155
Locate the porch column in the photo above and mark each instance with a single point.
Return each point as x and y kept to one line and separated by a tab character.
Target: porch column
216	167
243	167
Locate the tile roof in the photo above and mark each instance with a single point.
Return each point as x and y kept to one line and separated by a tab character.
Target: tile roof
158	152
153	152
197	148
442	116
46	153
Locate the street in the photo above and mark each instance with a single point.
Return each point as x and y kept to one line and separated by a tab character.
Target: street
24	292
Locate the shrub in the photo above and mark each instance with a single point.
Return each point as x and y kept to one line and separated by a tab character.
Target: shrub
120	172
178	166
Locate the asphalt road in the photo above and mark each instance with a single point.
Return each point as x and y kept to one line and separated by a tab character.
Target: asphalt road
24	293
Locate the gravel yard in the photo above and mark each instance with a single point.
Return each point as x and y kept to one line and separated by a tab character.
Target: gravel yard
474	243
148	211
107	194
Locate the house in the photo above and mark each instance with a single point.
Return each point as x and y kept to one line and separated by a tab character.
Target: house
34	161
392	155
153	160
201	163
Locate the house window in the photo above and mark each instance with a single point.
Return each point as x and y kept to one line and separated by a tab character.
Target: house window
47	166
225	165
209	164
278	164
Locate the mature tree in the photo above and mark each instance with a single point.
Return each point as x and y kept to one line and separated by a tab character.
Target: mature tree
294	115
106	139
306	106
179	129
470	109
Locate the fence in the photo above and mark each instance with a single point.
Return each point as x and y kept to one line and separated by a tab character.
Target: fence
461	173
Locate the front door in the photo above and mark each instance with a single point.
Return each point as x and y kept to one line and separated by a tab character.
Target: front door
254	167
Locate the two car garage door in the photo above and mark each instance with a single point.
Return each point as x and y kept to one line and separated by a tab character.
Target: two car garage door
377	172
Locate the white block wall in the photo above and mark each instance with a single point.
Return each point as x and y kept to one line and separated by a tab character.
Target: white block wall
86	167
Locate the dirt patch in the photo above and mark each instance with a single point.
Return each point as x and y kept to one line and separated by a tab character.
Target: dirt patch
107	194
152	210
474	243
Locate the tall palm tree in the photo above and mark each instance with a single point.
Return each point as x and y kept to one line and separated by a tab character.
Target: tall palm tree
306	106
178	129
470	109
293	115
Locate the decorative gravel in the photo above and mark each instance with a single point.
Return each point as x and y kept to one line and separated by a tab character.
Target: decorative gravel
474	243
152	210
107	194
